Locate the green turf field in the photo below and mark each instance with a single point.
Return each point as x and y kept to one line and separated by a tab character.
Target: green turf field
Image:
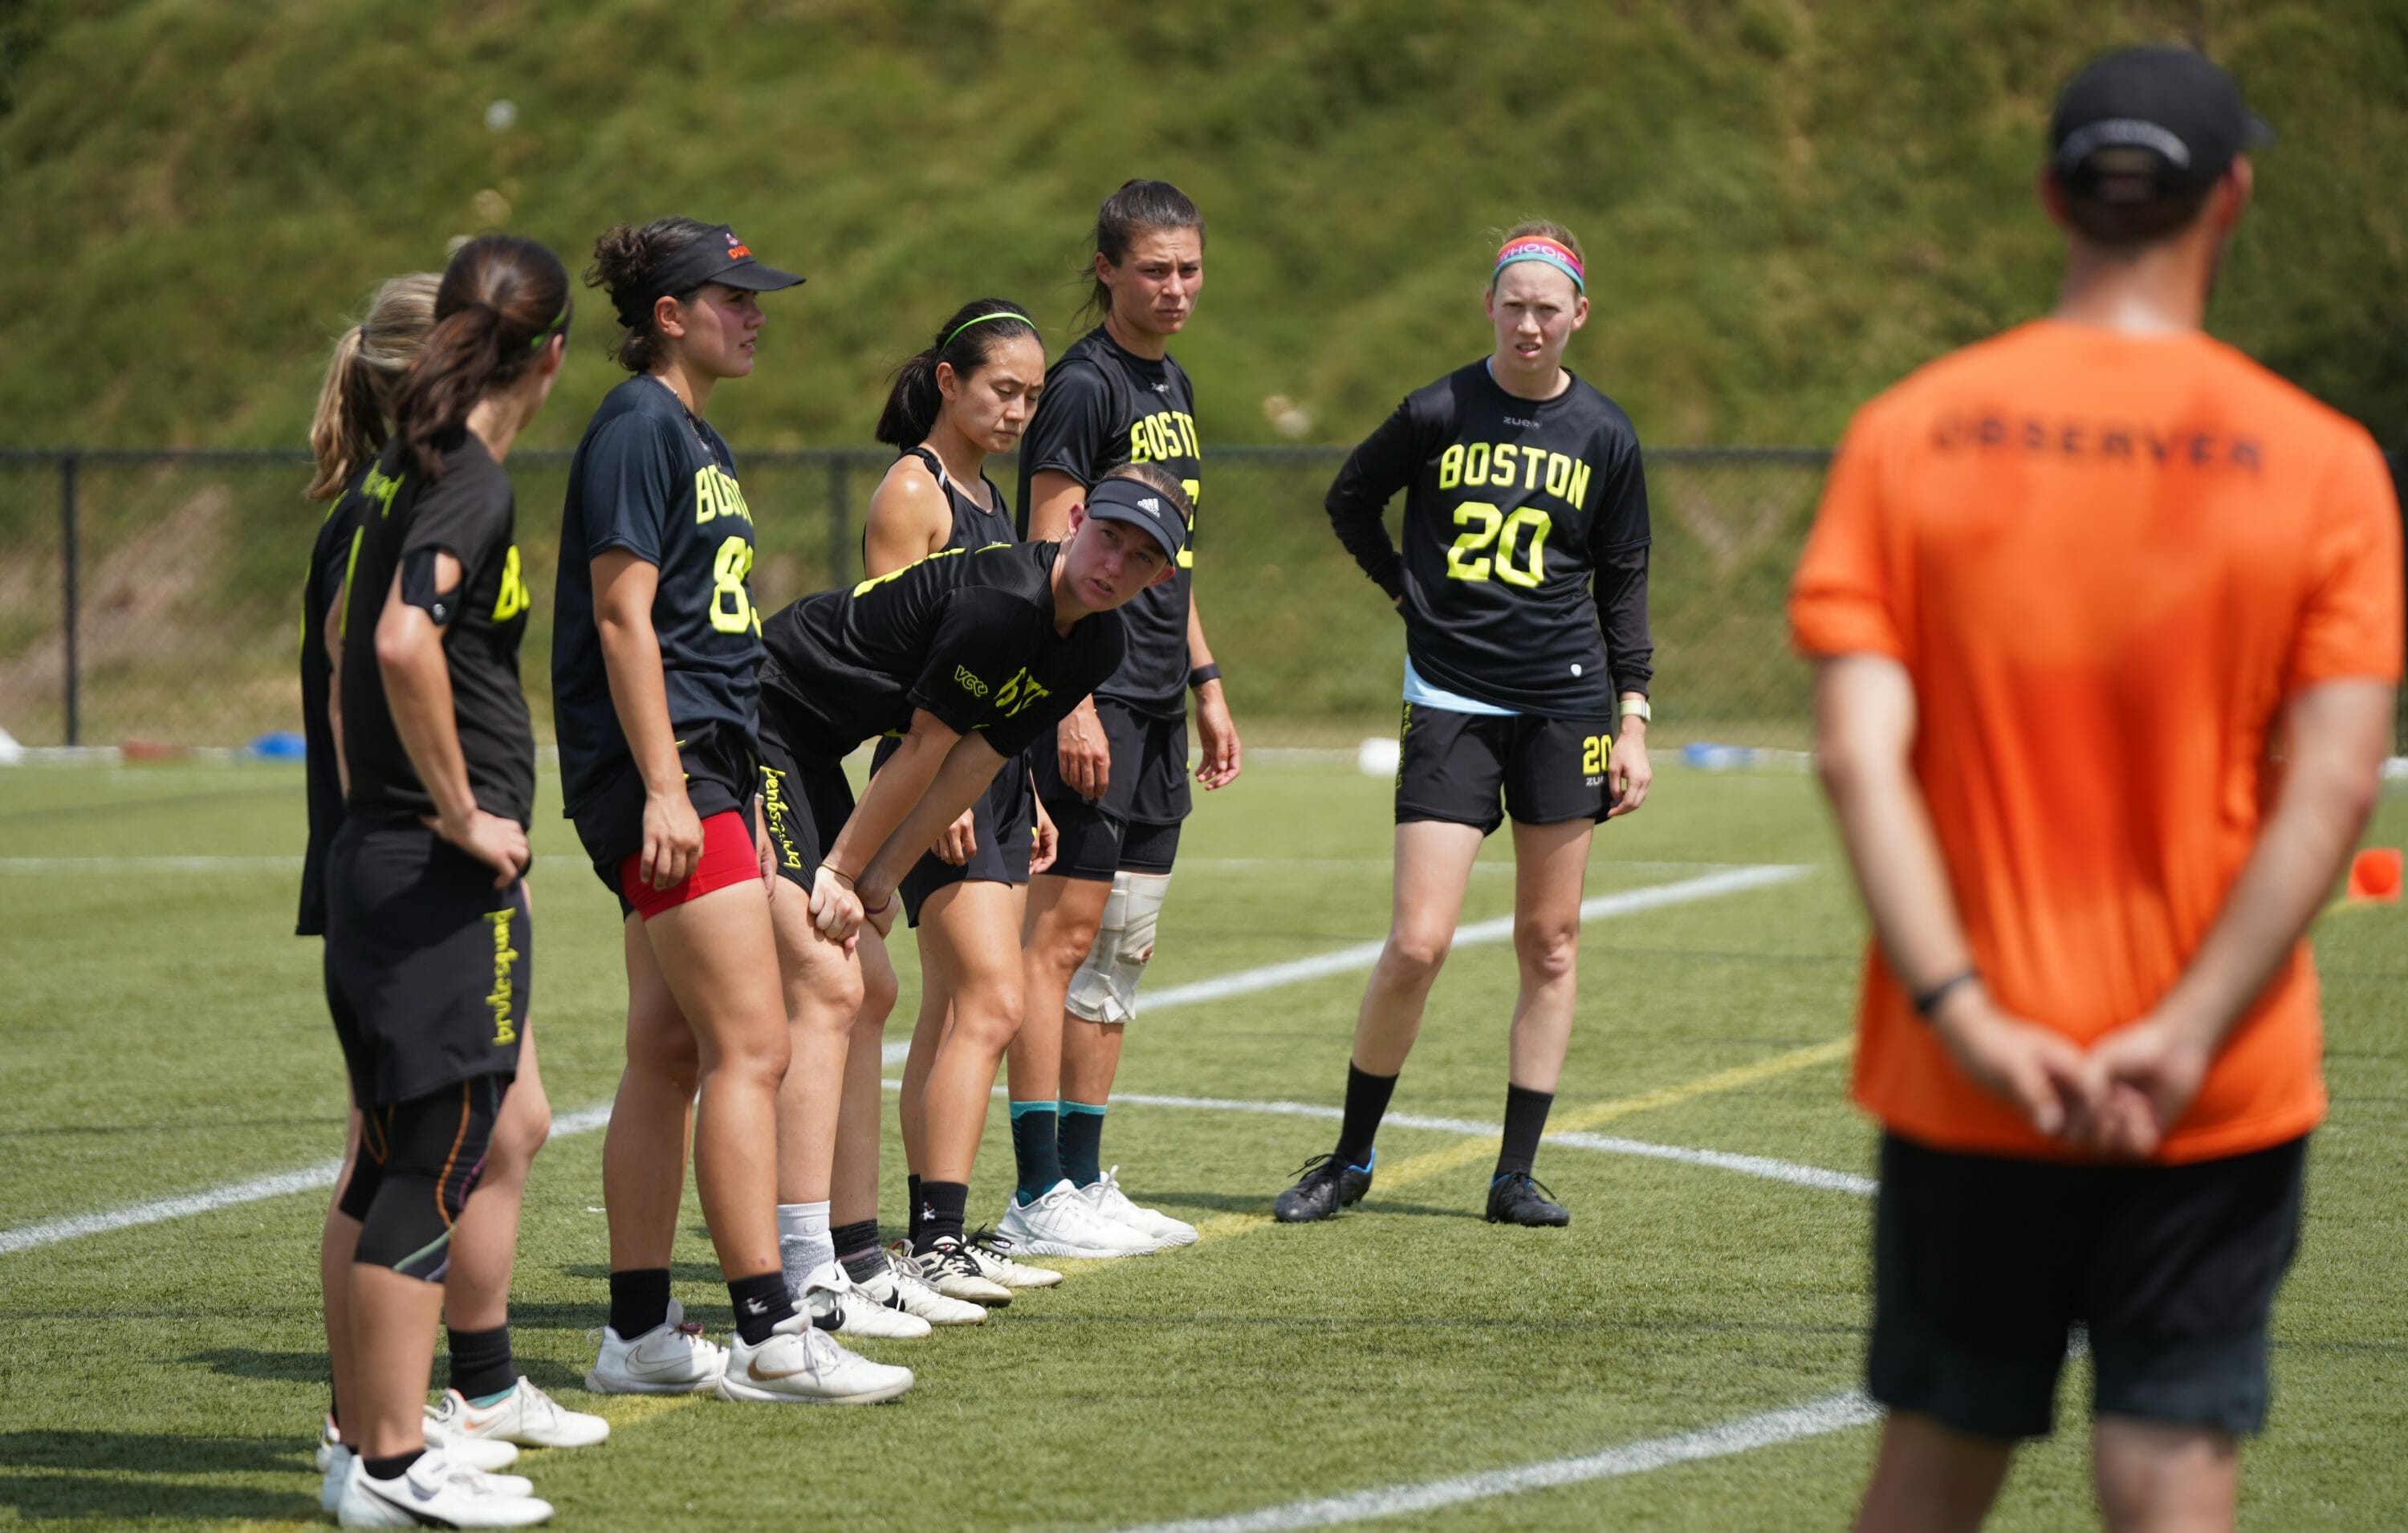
162	1034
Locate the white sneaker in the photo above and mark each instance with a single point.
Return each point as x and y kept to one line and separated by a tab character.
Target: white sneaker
1064	1224
802	1364
671	1358
1106	1200
951	1269
330	1442
836	1303
483	1454
992	1253
901	1288
526	1416
334	1460
437	1491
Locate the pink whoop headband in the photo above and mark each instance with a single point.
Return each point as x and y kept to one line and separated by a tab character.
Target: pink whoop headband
1540	248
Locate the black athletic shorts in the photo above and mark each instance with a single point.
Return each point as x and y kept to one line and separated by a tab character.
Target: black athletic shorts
1005	820
359	1053
806	804
1456	766
428	963
720	776
1982	1266
1146	796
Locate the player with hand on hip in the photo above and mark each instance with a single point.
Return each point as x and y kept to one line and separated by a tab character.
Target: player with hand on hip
1523	585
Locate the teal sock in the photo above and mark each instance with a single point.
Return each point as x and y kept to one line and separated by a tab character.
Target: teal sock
1082	1142
1033	1148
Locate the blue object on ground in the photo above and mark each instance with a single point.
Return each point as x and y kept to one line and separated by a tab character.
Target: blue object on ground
280	745
1711	757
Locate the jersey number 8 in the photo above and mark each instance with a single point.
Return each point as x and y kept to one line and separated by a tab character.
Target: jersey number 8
1485	525
731	603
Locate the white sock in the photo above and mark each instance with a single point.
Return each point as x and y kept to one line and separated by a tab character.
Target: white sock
803	1242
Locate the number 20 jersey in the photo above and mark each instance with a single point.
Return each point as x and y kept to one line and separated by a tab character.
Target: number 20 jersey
1513	507
652	478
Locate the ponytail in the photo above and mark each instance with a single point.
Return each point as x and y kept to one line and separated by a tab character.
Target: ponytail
349	426
966	343
501	302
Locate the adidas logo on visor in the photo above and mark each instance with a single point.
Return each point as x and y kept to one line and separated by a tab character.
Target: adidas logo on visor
1150	506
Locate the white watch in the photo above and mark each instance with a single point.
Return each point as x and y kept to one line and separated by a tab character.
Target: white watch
1636	707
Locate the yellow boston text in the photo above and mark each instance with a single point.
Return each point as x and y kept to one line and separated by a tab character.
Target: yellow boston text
717	494
1508	465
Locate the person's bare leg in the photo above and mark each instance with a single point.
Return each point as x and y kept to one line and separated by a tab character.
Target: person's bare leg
928	1037
652	1120
336	1242
975	945
1090	1058
485	1239
823	994
719	955
1433	871
1550	866
2158	1477
852	1191
394	1319
1928	1479
1050	927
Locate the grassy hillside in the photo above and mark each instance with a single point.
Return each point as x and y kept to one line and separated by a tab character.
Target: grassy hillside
1789	204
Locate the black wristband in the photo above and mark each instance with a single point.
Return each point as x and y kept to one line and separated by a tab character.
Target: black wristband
1930	999
1202	674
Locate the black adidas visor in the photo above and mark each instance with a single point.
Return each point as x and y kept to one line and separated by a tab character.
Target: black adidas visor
717	256
1127	500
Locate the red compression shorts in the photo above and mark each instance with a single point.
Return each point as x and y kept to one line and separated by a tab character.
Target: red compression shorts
727	857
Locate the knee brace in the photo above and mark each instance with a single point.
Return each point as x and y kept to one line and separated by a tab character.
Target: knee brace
434	1149
1105	987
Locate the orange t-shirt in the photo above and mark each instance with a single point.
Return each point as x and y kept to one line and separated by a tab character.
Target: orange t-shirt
2105	561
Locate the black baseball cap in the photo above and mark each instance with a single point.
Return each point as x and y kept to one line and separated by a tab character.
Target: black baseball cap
714	256
2150	121
1132	500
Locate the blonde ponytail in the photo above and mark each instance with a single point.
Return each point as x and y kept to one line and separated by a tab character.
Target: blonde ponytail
349	426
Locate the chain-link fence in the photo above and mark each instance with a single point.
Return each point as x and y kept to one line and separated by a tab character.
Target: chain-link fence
155	595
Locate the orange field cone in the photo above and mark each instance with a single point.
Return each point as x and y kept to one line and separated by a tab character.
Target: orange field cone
2374	876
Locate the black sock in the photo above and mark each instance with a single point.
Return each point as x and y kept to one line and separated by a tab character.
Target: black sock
943	1208
1035	1149
911	1208
639	1300
1367	1103
393	1467
761	1302
482	1366
1525	1119
856	1247
1082	1142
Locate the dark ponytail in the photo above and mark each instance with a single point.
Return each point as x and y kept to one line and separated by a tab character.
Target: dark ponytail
967	342
1139	206
624	259
502	298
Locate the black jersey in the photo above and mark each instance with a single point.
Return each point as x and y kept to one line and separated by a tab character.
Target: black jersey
1105	406
978	519
470	514
652	479
1523	520
330	560
967	634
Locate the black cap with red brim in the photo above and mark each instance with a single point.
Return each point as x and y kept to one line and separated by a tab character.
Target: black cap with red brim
1132	501
715	256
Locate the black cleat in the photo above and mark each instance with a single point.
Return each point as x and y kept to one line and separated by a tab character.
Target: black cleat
1518	1199
1327	1185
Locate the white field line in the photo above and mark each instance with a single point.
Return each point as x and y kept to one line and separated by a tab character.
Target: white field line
1816	1418
1243	982
1362	955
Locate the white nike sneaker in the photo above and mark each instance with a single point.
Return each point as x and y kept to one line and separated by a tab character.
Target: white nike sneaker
526	1416
334	1460
836	1303
1106	1200
901	1288
436	1491
952	1268
1064	1224
483	1454
672	1358
801	1364
993	1255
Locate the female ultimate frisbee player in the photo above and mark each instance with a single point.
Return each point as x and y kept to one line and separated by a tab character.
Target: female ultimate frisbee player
655	662
1526	524
486	1399
968	656
1114	777
428	941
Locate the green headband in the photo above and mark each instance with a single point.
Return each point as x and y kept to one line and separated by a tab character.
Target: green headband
998	314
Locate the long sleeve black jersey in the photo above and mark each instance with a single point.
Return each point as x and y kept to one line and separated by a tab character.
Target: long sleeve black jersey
1525	520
